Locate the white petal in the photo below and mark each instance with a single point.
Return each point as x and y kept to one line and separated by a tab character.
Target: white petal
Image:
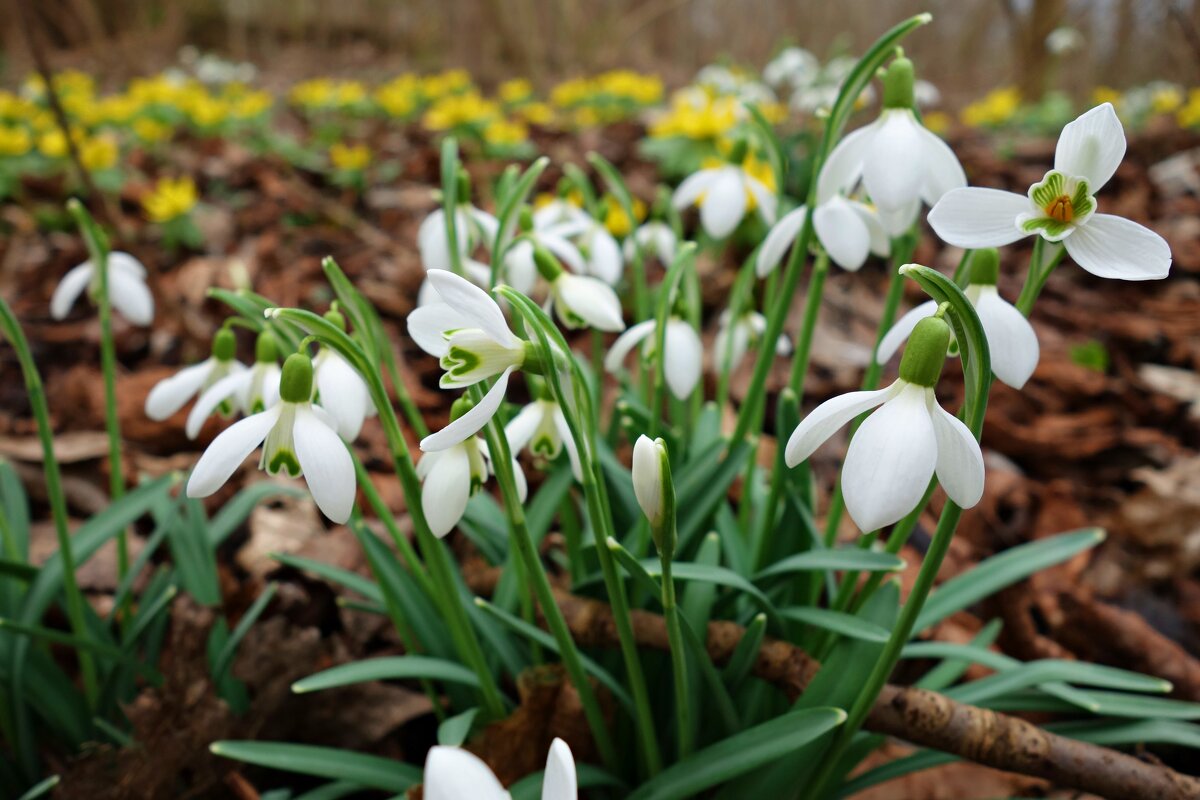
1011	339
942	170
626	342
590	299
724	204
487	223
897	221
1114	247
890	461
895	336
647	477
328	468
427	323
520	429
559	782
565	251
893	170
522	485
959	460
452	773
564	433
473	303
520	269
692	187
447	487
69	289
682	361
880	245
343	394
212	397
432	242
1091	146
764	198
605	258
826	418
843	233
471	422
228	451
127	263
974	217
131	296
844	165
782	236
170	394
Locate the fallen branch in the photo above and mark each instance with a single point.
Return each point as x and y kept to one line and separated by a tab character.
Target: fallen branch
920	717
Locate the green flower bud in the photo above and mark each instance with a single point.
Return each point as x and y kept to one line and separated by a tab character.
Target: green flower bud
983	266
295	384
925	353
460	406
737	153
547	265
266	349
224	345
336	317
898	84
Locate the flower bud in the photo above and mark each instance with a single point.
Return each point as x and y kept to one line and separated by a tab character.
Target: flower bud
266	349
898	84
925	353
336	317
460	406
224	345
655	491
295	384
547	265
983	267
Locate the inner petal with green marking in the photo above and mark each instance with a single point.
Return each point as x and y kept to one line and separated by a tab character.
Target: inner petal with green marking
1061	203
279	451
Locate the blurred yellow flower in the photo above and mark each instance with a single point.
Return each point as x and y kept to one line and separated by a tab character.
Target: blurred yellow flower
505	132
52	144
697	117
1166	100
444	83
1105	94
460	109
1189	115
996	108
350	158
99	153
150	130
170	199
400	96
615	218
516	90
937	121
535	113
14	141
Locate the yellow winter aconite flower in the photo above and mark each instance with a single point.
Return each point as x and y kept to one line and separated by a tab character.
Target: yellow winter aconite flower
451	81
1166	100
399	97
615	218
535	113
937	121
1189	115
151	131
697	116
996	108
505	132
460	109
350	158
14	141
515	90
52	144
250	104
170	199
1105	94
99	153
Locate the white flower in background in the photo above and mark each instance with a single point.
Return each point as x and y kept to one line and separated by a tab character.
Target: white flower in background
1061	208
127	289
452	773
723	194
1064	41
580	301
682	359
468	333
255	389
901	163
542	427
520	269
737	336
603	253
297	438
657	240
1012	342
898	448
557	212
473	227
819	89
926	94
342	392
794	66
171	394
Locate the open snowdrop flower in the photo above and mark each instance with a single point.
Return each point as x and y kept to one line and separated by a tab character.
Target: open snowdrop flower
520	267
735	337
340	390
255	389
468	333
848	230
542	427
1012	342
602	252
723	194
127	289
472	226
1062	208
452	773
657	240
682	357
580	301
899	447
171	394
297	439
900	162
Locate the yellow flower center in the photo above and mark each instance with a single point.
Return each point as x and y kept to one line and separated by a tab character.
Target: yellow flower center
1060	209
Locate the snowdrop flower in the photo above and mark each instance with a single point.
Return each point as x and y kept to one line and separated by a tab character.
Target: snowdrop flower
1011	339
722	193
657	240
737	336
468	333
472	226
520	267
901	164
559	211
580	301
171	394
340	390
1064	40
297	438
254	390
682	357
899	447
452	773
794	66
1061	208
599	246
542	427
127	290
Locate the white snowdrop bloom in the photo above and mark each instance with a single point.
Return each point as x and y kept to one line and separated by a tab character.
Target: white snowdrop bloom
682	360
1062	208
737	336
926	94
1064	40
472	226
657	240
579	301
520	269
557	212
898	448
452	773
900	162
255	389
1012	342
342	392
171	394
297	438
794	67
127	289
648	477
542	427
603	253
723	193
847	229
468	333
450	476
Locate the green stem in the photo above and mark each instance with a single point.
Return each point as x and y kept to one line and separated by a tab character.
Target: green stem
683	718
411	560
1038	274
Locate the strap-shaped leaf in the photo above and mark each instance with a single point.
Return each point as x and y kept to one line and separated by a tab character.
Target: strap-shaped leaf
323	762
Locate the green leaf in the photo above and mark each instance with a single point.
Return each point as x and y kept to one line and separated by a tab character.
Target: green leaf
343	577
699	596
509	211
686	571
746	653
14	504
331	791
1114	733
697	506
454	730
323	762
718	694
387	668
836	621
587	775
243	627
950	670
847	558
739	754
41	788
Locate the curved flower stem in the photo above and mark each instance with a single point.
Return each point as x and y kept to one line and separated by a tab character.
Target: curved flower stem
502	466
54	491
1039	272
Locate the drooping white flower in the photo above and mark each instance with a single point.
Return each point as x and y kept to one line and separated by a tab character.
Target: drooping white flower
127	289
682	359
472	226
558	211
452	773
450	476
603	253
1062	208
542	427
847	229
656	239
737	336
255	389
171	394
342	392
520	268
793	67
898	448
722	193
297	438
579	301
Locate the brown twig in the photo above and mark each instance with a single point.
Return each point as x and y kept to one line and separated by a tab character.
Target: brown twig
917	716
